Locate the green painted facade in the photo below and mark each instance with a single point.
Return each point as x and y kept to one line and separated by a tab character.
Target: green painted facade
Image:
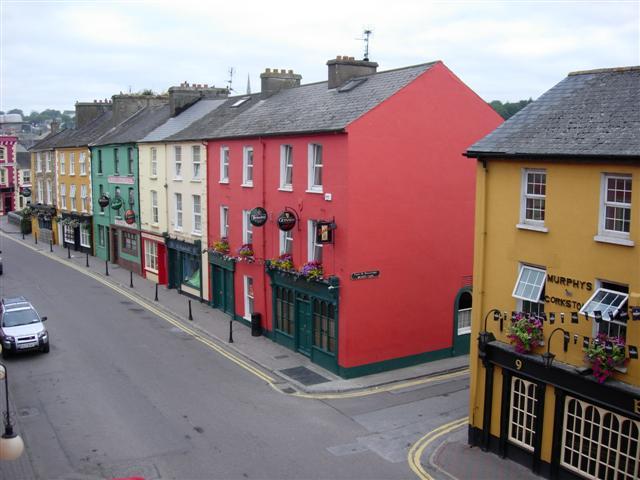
118	179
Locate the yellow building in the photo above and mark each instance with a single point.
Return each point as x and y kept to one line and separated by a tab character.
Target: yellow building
557	249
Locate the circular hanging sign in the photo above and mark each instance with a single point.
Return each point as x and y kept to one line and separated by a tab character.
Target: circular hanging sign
286	221
26	192
129	216
258	217
116	204
103	201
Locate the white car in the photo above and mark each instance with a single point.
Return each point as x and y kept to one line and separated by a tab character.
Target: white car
21	328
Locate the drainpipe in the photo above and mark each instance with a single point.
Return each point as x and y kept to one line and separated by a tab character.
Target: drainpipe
264	234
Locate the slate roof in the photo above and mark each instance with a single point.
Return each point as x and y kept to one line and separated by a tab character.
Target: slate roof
51	141
84	136
23	157
135	127
304	109
183	120
593	113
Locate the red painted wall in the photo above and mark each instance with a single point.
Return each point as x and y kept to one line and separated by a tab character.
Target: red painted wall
9	162
411	208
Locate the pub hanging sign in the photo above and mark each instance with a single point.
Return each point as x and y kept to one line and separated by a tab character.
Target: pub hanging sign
130	216
324	231
286	221
258	217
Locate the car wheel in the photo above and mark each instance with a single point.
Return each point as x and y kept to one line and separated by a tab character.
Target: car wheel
5	353
45	349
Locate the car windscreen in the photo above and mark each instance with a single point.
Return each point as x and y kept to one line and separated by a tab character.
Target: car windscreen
19	317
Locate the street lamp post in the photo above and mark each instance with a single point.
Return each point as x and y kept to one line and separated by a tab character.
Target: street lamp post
11	445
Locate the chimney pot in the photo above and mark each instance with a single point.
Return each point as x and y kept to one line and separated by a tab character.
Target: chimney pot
344	68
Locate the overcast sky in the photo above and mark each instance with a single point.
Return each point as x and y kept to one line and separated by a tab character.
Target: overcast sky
56	52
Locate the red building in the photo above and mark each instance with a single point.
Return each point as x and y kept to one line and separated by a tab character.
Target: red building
373	160
8	173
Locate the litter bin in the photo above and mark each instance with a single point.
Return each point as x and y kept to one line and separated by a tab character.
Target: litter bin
256	327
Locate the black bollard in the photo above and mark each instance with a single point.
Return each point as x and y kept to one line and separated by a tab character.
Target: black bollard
131	279
35	237
68	251
230	331
51	246
106	268
87	263
190	316
23	235
156	297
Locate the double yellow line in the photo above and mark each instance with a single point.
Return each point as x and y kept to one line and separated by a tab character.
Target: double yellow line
416	451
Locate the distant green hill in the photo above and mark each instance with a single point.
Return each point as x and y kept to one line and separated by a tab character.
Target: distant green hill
509	109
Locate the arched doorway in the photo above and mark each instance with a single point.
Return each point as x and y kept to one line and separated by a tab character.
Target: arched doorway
462	322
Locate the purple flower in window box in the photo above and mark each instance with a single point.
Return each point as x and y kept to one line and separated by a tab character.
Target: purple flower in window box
221	246
246	251
312	270
526	332
603	360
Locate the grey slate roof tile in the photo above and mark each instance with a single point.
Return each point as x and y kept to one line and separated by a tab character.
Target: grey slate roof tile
51	141
84	136
594	113
136	127
183	120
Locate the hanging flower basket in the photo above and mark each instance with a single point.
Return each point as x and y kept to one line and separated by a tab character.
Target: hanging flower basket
284	262
245	252
526	333
312	270
604	355
221	246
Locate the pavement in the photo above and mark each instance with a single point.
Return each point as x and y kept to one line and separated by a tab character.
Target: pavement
442	460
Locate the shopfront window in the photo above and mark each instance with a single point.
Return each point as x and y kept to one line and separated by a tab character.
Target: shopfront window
151	255
522	416
324	326
191	271
285	320
85	235
130	243
68	234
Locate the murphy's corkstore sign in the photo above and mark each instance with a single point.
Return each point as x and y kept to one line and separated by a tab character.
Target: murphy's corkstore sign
568	285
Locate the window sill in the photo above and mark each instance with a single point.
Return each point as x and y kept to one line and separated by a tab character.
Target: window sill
224	181
286	189
614	240
533	228
177	229
153	177
196	234
310	190
177	179
247	185
196	180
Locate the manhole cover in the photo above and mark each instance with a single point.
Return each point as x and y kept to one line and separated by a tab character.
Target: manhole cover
304	375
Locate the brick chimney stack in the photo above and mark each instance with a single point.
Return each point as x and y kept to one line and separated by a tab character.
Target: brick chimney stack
343	68
125	105
274	80
185	95
88	111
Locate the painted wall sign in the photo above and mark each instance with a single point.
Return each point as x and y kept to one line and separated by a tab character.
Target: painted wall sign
362	275
122	223
324	232
258	216
286	221
129	216
118	180
570	282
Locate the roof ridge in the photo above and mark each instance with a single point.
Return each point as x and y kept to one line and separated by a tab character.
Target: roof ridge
633	68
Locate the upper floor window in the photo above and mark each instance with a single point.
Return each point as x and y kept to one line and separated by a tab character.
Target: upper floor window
3	153
224	222
83	198
130	161
533	198
49	192
177	162
178	217
529	289
224	164
48	160
39	162
26	176
286	167
100	161
83	163
195	162
615	209
132	197
247	228
154	206
116	161
40	191
247	167
315	168
63	196
72	197
286	242
3	176
62	162
197	214
314	249
605	307
100	193
72	163
154	162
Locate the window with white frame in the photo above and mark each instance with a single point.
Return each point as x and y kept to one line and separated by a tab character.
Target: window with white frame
3	176
248	297
247	166
72	197
606	304
598	443
49	192
48	160
39	162
62	161
177	162
69	235
3	153
529	289
464	313
533	199
314	248
178	205
286	167
72	163
195	162
224	221
286	242
522	413
154	207
615	206
154	162
63	196
26	176
83	197
197	214
151	256
224	164
247	228
40	191
315	168
85	236
82	161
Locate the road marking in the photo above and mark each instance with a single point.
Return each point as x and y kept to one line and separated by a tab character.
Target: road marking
232	357
416	451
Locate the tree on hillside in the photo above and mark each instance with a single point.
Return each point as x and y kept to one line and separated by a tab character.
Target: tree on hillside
509	109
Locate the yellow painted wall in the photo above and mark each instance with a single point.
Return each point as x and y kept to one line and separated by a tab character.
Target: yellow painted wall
78	179
568	249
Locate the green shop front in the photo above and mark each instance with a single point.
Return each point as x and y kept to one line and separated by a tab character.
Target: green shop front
305	316
185	266
222	270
